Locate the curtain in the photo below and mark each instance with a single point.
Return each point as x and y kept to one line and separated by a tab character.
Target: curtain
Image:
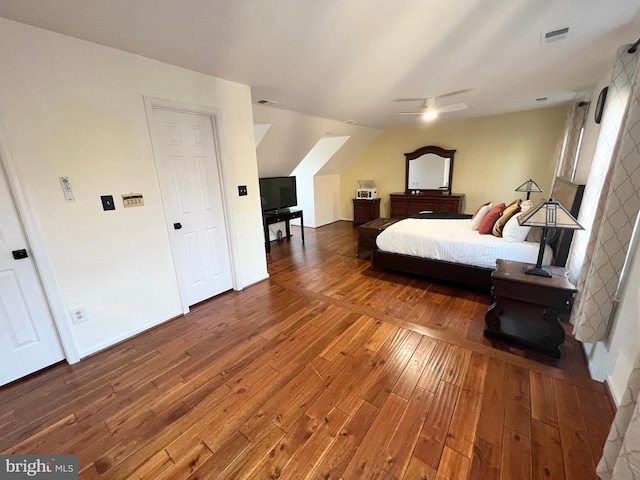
621	456
610	205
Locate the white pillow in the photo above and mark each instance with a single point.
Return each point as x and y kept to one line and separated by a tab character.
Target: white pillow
513	232
525	205
475	222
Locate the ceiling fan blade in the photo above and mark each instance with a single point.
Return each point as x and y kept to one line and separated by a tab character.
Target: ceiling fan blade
454	107
422	99
410	113
457	92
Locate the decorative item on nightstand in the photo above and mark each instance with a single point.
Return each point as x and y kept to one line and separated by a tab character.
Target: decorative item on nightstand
547	214
529	186
366	189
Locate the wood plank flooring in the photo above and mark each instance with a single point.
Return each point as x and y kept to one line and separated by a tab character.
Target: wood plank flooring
327	370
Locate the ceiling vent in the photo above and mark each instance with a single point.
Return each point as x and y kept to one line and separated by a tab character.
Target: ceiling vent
264	101
555	35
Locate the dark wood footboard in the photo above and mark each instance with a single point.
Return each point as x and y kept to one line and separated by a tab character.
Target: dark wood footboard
451	272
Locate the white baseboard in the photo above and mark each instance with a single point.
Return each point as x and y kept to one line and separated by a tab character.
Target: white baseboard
127	336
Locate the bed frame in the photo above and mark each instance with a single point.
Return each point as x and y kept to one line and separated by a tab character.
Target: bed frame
568	193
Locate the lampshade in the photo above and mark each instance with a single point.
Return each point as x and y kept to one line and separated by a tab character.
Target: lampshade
551	214
529	186
547	214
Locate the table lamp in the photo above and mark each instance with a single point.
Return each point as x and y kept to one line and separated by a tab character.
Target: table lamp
547	214
529	186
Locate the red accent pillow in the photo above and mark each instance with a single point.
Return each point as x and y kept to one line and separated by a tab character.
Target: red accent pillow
486	225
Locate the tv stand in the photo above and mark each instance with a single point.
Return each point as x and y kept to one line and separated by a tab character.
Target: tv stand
277	216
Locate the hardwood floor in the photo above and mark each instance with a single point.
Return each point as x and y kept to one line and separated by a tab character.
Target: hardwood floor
327	370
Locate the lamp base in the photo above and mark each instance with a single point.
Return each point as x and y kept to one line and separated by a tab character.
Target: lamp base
540	271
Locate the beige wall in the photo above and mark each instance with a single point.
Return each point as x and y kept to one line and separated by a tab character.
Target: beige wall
74	108
494	155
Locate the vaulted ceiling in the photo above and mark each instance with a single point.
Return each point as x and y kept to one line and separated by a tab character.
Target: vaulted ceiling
352	60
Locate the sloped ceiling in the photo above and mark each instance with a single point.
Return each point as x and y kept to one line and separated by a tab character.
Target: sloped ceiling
351	60
292	135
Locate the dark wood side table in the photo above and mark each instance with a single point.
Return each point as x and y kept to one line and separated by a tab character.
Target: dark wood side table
367	234
365	210
269	218
527	309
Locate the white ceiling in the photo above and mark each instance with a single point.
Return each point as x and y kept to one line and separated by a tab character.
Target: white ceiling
352	59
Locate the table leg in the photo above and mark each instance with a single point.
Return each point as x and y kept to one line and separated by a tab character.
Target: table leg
267	241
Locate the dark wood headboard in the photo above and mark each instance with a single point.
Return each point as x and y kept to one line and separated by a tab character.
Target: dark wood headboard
569	194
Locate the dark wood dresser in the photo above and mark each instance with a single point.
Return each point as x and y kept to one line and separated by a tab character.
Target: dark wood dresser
404	205
365	210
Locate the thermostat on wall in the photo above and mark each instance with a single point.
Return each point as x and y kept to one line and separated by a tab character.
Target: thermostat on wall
66	190
132	200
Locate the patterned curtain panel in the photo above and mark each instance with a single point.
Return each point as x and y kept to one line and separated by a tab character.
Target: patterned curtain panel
621	456
610	205
576	120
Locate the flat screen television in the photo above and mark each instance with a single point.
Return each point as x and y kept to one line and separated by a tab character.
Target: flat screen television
278	193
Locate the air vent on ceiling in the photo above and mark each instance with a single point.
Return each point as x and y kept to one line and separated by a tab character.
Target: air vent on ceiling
264	101
555	35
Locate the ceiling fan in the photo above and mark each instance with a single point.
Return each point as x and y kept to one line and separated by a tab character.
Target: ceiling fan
430	110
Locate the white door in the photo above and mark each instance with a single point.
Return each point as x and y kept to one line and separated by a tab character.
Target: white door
28	337
184	144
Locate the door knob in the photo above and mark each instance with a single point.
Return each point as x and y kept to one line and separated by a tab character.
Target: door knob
19	254
177	226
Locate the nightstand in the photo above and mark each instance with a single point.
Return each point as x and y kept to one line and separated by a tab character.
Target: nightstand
365	210
527	309
367	234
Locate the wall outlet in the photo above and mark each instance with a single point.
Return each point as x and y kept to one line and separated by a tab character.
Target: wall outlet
78	315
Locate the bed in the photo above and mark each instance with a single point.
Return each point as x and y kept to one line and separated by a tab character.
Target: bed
455	253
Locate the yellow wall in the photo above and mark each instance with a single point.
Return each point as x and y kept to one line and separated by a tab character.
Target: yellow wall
494	155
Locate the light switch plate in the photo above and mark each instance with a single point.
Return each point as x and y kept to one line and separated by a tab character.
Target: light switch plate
132	200
107	202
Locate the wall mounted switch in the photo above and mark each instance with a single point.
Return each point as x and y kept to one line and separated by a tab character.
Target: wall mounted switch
242	190
132	200
107	202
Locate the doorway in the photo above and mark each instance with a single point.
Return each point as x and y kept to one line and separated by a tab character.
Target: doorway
186	153
29	338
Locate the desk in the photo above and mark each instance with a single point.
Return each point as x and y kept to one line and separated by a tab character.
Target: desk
527	309
269	218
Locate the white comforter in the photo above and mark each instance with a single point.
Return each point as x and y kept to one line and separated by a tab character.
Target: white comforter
454	241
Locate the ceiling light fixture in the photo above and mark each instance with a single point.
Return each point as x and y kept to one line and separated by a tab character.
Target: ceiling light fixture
429	115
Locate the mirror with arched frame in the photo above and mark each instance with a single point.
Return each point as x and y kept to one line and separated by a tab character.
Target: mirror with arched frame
429	169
